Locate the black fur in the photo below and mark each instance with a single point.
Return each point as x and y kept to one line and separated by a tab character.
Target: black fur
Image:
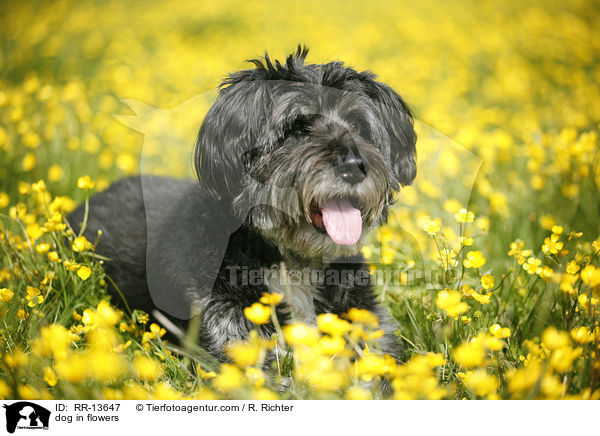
266	154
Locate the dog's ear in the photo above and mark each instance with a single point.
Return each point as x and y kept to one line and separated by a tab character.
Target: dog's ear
398	137
231	129
236	128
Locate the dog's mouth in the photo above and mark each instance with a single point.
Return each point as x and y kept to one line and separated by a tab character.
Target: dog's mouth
341	218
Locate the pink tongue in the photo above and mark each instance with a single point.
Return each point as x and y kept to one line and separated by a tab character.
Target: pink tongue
342	221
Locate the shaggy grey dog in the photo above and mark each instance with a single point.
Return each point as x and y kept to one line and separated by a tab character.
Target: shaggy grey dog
296	162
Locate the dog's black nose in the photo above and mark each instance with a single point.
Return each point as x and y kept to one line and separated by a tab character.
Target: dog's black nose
351	169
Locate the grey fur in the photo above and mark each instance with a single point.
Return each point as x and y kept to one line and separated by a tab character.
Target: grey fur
280	140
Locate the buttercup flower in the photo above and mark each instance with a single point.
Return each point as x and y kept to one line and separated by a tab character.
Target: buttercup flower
258	313
85	183
487	281
464	216
474	259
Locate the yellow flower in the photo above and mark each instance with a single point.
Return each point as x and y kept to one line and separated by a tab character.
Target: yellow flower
433	227
4	200
582	335
258	313
493	343
464	216
50	376
474	259
566	283
469	355
106	315
126	162
28	162
55	173
204	374
487	281
74	369
5	390
524	378
34	296
572	267
595	244
300	334
42	248
357	393
330	323
122	347
28	392
562	358
387	255
516	247
229	379
84	272
327	380
362	316
155	332
264	394
53	257
331	345
71	265
53	341
39	186
432	359
450	301
500	332
81	244
371	365
583	300
6	295
546	272
481	298
89	317
557	229
552	245
271	299
16	359
532	266
256	377
105	366
34	231
165	392
590	275
552	387
146	369
480	382
21	314
244	354
466	290
452	205
554	339
466	241
483	223
85	183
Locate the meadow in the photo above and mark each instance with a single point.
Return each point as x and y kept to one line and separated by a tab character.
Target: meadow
489	262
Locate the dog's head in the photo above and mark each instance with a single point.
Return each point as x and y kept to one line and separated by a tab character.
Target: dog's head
308	154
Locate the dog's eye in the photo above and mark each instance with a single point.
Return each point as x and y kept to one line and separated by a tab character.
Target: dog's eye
361	125
298	126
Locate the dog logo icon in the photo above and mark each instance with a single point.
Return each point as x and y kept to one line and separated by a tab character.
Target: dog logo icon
26	415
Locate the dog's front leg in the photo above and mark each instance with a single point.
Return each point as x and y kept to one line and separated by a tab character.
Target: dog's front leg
354	290
223	322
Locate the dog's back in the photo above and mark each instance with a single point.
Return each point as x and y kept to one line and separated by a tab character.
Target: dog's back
122	212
